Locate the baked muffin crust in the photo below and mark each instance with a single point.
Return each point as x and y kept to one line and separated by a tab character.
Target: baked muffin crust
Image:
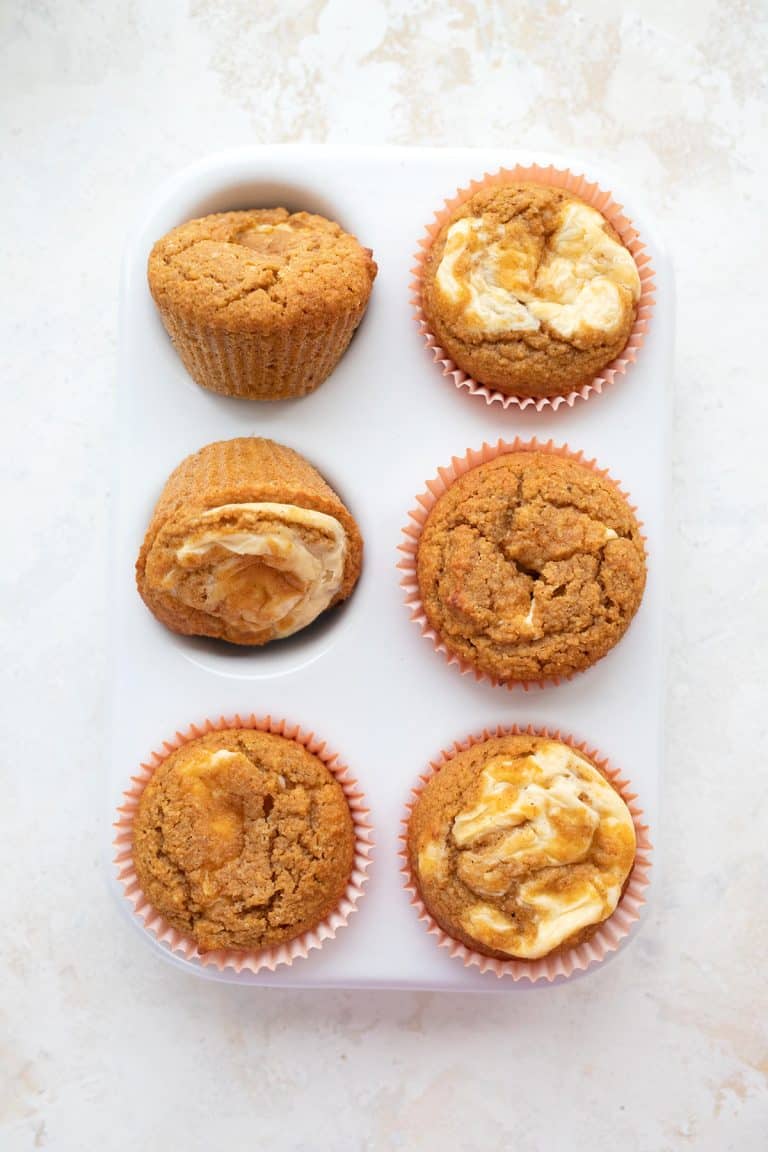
243	839
531	566
530	290
519	847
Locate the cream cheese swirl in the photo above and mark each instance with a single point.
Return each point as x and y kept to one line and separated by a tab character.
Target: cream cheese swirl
263	567
582	283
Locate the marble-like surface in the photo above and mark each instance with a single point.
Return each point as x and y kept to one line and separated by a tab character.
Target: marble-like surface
103	1046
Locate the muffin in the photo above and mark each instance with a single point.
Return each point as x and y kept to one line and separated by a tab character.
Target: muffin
520	847
247	544
530	290
260	304
243	840
530	566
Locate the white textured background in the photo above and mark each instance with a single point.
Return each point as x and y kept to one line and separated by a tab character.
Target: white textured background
105	1048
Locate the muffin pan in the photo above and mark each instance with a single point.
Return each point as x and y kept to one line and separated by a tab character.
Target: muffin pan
362	677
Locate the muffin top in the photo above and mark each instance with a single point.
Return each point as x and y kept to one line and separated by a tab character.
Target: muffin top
531	566
243	839
530	290
259	270
520	846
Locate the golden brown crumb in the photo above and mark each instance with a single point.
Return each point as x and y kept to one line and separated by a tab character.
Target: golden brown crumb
531	566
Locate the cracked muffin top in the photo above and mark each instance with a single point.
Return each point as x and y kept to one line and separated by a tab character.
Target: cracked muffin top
259	270
520	846
243	839
530	290
531	566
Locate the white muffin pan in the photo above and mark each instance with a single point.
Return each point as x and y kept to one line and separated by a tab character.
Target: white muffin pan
363	677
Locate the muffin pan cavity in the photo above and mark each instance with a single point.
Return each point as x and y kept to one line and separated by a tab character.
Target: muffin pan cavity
278	659
299	196
382	423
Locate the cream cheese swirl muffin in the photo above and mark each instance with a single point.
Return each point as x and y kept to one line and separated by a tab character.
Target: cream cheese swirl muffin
247	544
243	839
519	846
530	290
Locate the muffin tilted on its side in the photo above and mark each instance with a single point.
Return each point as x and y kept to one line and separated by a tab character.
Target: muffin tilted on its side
519	846
260	304
243	840
530	566
247	544
530	290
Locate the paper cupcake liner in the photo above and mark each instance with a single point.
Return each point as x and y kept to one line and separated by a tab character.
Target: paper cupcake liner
251	960
591	194
426	501
607	937
265	366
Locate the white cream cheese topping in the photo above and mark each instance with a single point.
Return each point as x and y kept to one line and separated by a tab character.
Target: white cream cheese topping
584	282
283	226
275	578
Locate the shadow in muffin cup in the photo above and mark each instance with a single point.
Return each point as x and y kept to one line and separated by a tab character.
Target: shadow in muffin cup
265	194
269	661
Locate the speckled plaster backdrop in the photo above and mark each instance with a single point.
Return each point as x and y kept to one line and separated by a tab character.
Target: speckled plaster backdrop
103	1046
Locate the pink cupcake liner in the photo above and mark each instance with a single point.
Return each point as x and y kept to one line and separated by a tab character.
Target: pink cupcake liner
608	936
243	959
418	515
593	195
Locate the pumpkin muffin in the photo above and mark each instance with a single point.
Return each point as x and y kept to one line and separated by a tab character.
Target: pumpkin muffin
247	544
260	304
520	847
243	839
530	290
530	566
